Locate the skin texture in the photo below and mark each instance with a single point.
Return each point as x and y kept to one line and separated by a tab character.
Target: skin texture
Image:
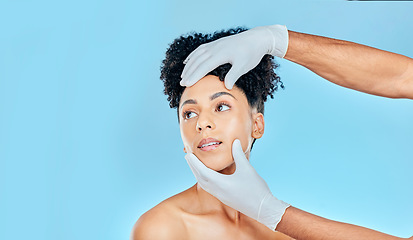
303	225
224	118
194	213
353	65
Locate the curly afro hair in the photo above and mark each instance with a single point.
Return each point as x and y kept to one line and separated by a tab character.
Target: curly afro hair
257	84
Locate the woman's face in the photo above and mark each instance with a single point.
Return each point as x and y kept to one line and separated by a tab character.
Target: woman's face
212	117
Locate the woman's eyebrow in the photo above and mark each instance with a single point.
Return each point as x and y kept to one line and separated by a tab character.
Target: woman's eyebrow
189	101
212	97
219	94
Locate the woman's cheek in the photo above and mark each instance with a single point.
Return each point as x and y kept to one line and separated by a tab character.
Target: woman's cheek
186	137
243	133
244	143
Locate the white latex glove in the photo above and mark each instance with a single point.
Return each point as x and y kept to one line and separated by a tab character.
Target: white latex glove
244	190
243	51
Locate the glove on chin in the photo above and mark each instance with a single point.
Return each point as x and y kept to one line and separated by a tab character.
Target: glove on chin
244	190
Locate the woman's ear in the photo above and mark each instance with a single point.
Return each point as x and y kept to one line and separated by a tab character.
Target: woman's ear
259	124
185	150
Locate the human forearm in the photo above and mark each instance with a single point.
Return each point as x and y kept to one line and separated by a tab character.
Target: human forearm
247	192
302	225
352	65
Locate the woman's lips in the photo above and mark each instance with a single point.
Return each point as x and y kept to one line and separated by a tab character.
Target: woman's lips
209	144
210	147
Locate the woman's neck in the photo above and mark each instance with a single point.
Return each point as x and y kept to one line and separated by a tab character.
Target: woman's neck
211	204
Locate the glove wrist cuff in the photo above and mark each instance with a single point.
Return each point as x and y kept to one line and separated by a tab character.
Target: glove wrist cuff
279	35
271	211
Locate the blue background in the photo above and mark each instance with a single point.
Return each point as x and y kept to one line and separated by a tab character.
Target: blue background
88	142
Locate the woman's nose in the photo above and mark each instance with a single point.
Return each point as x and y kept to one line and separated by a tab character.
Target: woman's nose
204	123
200	128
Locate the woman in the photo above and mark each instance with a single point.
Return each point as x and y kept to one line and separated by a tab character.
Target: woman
211	117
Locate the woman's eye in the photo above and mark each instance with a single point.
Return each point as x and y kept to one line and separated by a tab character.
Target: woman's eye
189	115
222	107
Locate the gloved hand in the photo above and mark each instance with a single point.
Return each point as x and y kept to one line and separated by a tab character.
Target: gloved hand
243	50
244	190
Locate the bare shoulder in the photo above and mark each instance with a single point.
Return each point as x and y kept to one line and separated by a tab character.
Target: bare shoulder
161	222
164	221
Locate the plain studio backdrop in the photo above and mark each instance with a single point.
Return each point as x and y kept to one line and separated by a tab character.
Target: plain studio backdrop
88	142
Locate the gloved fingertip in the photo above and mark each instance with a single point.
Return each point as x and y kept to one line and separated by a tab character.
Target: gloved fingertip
238	153
228	84
184	83
189	82
236	144
231	77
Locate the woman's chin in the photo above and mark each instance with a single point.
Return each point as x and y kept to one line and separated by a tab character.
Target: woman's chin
219	162
230	169
222	167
